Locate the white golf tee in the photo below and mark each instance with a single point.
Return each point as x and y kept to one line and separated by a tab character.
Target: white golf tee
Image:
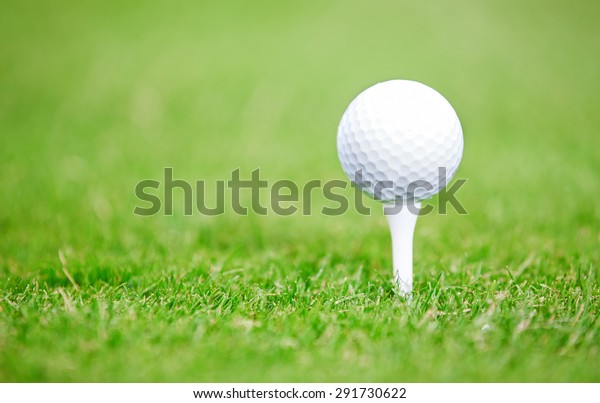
402	227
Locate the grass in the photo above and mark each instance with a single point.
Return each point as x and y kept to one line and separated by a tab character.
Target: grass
96	97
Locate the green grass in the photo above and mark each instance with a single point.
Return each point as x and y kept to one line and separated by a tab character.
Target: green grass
96	97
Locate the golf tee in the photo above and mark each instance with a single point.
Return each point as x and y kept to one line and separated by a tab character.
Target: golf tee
402	221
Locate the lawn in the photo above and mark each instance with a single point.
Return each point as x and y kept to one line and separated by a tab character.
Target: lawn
97	96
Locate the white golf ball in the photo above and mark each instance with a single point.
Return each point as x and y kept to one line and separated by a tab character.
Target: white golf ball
400	139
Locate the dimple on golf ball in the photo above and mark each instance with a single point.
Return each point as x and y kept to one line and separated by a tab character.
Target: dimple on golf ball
400	139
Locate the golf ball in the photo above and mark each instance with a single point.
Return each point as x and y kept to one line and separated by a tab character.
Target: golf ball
400	139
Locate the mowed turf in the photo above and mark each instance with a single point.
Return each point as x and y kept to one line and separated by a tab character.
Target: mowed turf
96	97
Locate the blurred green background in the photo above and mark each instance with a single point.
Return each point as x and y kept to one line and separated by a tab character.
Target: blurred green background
96	96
